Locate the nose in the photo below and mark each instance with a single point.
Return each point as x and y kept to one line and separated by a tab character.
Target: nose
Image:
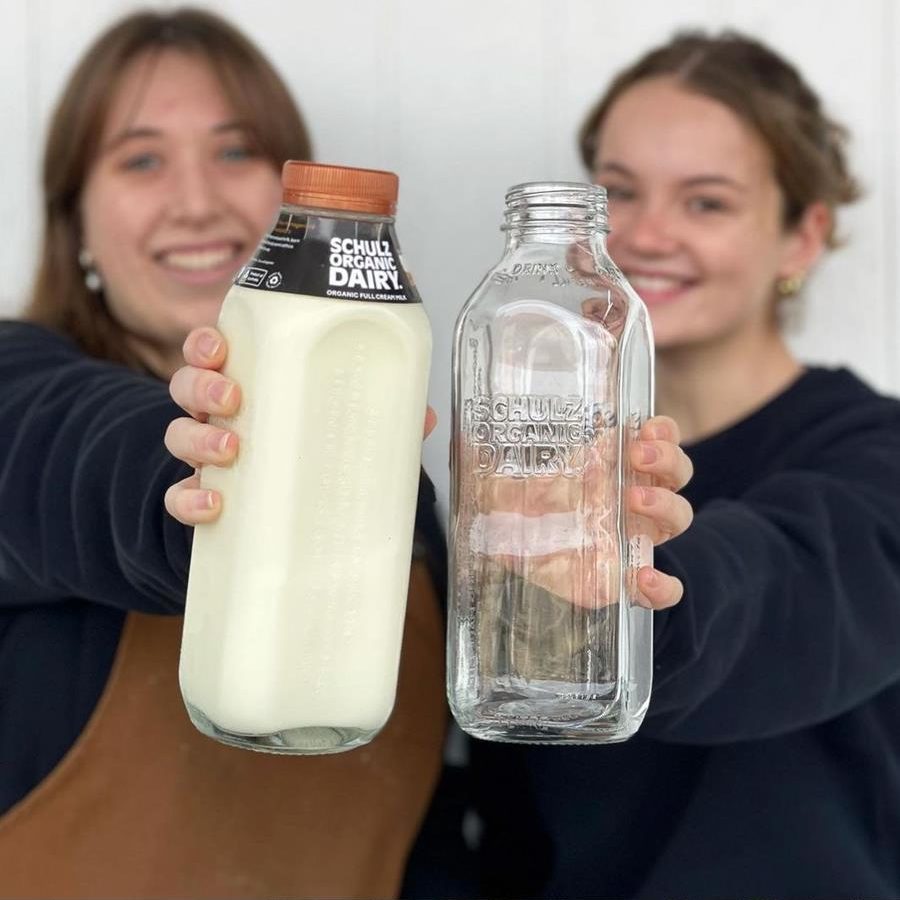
648	229
196	193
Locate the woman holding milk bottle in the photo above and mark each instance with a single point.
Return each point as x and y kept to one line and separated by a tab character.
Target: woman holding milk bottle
161	176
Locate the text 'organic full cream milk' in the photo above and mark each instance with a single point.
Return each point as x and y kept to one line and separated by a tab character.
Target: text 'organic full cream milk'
297	594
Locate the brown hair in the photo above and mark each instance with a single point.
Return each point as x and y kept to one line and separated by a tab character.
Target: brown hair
764	90
59	297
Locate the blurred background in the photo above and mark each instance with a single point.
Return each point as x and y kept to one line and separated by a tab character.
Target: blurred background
463	99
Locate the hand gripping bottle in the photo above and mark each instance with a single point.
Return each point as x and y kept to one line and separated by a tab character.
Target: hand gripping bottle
296	597
552	380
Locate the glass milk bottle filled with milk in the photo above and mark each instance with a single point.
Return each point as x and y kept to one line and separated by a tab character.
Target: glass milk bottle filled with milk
297	594
552	380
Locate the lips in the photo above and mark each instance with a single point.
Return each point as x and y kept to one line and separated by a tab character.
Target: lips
198	257
210	262
658	287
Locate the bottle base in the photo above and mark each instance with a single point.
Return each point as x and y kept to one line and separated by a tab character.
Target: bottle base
305	741
526	734
546	721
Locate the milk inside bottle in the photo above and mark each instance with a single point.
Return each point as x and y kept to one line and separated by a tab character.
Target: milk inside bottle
297	594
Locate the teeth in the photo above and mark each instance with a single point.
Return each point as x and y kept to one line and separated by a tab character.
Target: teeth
198	260
654	283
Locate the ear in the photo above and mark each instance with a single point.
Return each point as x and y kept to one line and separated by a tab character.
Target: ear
806	241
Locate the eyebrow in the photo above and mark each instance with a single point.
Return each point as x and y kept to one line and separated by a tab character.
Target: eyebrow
695	181
715	180
615	168
138	132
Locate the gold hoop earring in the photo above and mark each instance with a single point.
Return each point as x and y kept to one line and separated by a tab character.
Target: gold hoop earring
791	285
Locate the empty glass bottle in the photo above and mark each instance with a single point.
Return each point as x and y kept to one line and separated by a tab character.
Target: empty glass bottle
552	379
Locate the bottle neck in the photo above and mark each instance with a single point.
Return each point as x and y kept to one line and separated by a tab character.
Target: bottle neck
555	213
347	214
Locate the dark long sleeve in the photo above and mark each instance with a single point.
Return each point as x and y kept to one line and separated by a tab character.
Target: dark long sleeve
791	613
83	473
769	761
84	538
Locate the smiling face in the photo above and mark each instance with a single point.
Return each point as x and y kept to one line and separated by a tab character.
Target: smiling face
175	202
695	214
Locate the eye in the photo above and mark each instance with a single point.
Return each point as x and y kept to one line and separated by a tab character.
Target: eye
236	153
706	204
617	193
142	162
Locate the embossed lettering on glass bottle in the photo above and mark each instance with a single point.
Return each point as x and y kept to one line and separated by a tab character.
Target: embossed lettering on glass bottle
552	378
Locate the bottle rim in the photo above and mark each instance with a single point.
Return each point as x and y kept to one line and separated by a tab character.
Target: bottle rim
536	205
557	193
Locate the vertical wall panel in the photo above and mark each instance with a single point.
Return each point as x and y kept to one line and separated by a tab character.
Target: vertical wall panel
17	189
890	149
63	30
329	55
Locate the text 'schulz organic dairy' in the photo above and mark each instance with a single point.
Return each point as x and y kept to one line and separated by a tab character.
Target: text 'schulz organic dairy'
297	594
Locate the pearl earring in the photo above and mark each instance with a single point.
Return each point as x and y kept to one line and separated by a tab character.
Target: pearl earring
92	280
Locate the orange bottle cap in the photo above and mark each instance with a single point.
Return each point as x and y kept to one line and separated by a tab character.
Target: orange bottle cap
340	187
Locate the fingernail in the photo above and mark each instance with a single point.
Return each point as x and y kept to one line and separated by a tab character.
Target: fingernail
648	496
204	500
208	344
659	432
219	443
651	577
649	453
219	392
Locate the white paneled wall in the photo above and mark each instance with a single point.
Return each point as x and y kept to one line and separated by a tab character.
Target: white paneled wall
18	196
889	185
464	98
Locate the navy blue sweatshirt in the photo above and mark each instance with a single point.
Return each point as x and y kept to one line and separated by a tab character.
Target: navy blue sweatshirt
84	537
769	761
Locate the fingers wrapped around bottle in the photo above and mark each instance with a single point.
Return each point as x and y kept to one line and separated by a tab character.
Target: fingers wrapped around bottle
560	532
199	439
202	391
199	388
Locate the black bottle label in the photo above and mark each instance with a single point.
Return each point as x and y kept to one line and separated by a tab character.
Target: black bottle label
336	259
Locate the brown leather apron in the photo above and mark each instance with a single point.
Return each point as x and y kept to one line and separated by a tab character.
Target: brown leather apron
143	806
